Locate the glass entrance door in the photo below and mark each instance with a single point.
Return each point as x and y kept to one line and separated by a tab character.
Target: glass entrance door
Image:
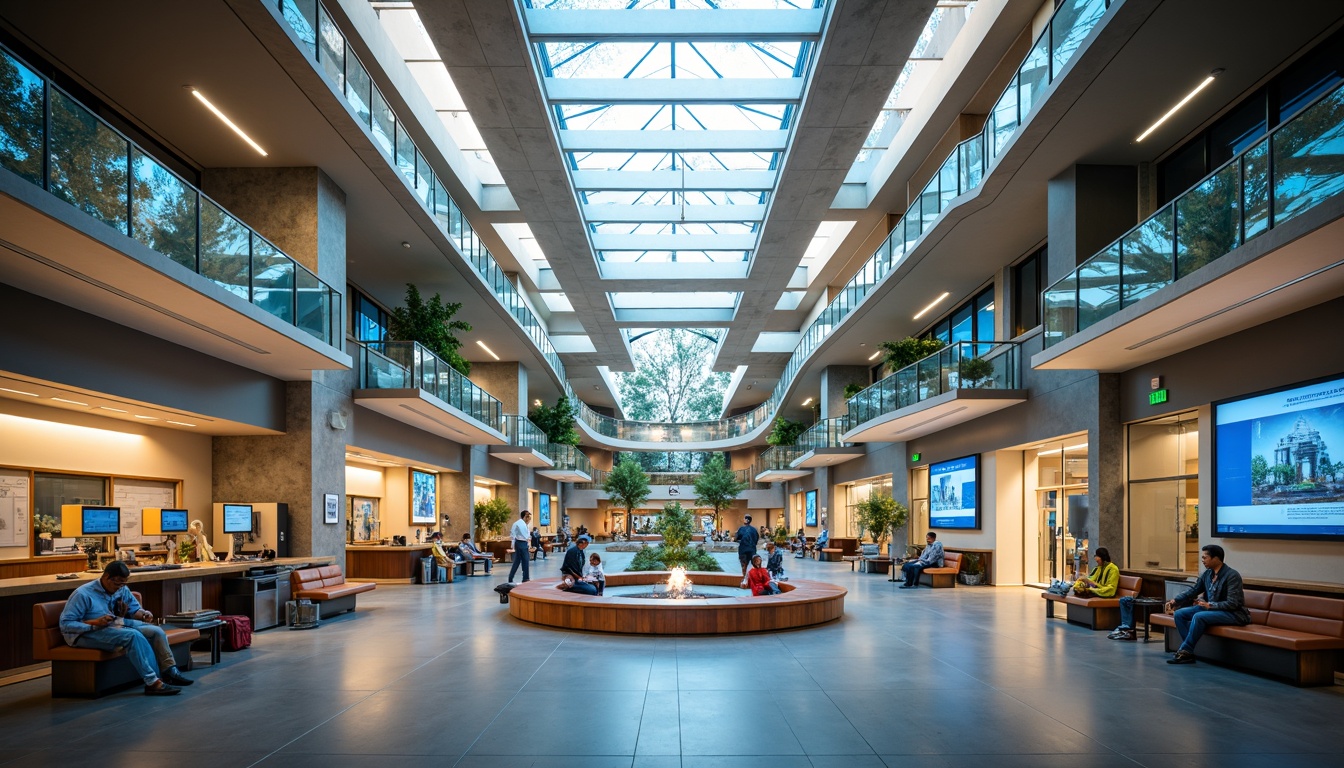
1164	493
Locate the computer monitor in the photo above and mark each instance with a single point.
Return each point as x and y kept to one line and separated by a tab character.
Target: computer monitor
237	518
80	520
161	521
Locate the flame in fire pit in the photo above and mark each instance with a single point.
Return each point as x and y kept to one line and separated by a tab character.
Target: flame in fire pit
678	586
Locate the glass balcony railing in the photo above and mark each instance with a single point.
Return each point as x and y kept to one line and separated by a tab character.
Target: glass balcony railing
522	432
778	457
569	457
51	140
964	365
1292	170
409	365
824	434
747	476
961	172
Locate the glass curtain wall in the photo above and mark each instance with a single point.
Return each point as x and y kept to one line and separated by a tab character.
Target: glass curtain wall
1163	461
1061	505
860	491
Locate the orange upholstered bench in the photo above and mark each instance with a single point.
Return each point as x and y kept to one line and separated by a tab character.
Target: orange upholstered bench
945	576
326	586
1094	612
88	672
1296	637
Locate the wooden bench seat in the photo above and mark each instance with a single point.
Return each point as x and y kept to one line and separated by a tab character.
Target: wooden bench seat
326	586
1296	637
87	672
1094	612
945	576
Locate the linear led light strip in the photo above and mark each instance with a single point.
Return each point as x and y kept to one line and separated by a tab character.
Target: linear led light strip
1179	104
201	98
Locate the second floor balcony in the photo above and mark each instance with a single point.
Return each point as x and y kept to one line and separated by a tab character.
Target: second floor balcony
403	380
958	383
527	444
776	464
571	465
822	444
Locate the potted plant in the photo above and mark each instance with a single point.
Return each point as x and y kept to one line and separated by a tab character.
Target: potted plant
972	570
878	515
47	527
976	372
853	388
780	535
491	515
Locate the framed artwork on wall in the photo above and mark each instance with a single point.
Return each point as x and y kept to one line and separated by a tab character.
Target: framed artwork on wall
331	509
810	507
424	497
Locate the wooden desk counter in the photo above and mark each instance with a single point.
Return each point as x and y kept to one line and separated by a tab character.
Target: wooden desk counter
161	590
384	563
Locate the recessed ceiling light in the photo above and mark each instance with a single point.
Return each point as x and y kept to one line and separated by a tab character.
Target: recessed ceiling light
537	402
201	98
110	408
180	423
488	350
932	304
147	418
72	402
19	392
1203	84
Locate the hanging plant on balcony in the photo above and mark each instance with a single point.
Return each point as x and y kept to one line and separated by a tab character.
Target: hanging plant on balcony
430	323
785	432
556	422
908	351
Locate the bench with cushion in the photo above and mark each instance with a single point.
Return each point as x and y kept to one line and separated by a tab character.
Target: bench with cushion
1094	612
837	549
326	586
90	673
1296	637
945	576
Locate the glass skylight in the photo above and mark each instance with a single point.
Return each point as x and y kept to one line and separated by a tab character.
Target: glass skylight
663	257
674	300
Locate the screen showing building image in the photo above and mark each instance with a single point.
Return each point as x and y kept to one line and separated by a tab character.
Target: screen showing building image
1274	475
810	508
544	509
237	518
953	499
100	521
424	497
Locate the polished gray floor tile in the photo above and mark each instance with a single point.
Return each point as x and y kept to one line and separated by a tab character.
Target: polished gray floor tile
574	722
116	758
405	723
743	722
660	725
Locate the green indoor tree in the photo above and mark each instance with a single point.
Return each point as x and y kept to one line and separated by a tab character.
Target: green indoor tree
674	379
717	487
430	323
491	515
878	515
556	422
908	351
627	486
785	432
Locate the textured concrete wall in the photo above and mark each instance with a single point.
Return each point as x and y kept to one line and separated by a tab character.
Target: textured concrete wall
834	378
506	382
1089	206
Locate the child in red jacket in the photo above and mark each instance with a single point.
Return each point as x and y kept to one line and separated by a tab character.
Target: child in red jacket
758	578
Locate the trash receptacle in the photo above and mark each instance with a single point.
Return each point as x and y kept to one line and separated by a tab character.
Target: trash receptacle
305	615
426	570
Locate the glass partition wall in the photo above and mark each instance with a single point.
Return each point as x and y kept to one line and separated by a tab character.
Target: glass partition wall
1163	484
1059	499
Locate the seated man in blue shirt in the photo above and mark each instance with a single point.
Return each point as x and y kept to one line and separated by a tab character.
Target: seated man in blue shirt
931	557
103	614
469	550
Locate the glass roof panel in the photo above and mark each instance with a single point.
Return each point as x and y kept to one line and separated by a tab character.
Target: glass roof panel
673	161
674	117
674	300
674	228
693	5
672	200
665	60
664	257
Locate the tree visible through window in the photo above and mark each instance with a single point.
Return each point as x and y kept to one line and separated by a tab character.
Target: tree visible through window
673	380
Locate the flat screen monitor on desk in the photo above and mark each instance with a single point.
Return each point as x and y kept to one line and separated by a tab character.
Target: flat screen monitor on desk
162	521
237	518
82	520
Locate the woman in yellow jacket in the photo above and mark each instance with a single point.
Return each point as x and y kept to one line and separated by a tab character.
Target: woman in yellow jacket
1104	579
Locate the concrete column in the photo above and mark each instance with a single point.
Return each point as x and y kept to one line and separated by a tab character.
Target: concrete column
1089	206
1105	457
457	501
507	382
301	210
834	378
297	468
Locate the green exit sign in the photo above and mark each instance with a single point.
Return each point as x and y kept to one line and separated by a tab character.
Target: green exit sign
1157	396
914	456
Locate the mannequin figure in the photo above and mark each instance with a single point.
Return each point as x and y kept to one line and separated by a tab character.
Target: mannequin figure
204	552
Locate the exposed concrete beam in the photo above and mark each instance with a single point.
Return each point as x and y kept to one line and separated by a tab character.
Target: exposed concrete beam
673	141
648	25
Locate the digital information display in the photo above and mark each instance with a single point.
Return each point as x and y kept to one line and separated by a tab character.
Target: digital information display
953	494
173	520
237	518
101	521
1274	475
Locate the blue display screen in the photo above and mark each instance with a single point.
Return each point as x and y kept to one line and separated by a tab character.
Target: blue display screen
101	521
953	495
237	518
173	520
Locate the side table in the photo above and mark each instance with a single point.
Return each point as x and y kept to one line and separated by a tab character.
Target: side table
1143	608
210	631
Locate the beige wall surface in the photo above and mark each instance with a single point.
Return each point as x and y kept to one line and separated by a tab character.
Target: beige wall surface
37	437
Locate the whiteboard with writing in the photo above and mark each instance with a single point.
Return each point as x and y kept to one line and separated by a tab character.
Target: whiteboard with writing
133	496
14	498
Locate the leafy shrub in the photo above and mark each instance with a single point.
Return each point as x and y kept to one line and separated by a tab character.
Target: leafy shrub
656	559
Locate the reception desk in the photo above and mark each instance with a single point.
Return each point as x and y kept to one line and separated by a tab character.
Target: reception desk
162	592
385	563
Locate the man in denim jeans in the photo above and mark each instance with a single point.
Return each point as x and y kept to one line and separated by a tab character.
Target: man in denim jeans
103	614
1217	597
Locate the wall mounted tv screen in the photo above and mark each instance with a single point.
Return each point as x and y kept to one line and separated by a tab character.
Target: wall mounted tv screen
173	520
100	521
1274	476
237	518
954	498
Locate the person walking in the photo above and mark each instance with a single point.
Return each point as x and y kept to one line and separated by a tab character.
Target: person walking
522	540
747	538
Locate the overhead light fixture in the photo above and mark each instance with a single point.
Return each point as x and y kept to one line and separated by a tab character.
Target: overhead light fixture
110	408
71	402
808	401
1203	84
537	402
201	98
932	304
488	350
19	392
180	423
406	245
875	355
147	418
